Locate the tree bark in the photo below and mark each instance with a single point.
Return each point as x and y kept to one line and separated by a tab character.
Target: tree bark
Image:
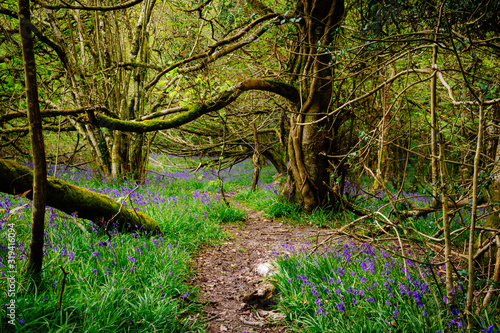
308	173
255	157
39	179
16	179
276	160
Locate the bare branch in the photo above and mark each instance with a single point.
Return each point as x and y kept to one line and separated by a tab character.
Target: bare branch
62	4
53	113
209	54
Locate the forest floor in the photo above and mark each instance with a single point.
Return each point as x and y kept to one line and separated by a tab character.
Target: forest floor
236	295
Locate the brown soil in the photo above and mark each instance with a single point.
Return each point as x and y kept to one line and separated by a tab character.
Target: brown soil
227	273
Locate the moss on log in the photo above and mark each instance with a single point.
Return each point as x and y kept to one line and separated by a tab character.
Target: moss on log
16	179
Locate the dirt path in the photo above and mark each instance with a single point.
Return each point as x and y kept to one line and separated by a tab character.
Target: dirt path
228	272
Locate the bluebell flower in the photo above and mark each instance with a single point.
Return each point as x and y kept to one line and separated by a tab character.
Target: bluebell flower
340	306
490	328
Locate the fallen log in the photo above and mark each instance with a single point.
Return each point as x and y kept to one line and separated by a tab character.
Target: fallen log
17	179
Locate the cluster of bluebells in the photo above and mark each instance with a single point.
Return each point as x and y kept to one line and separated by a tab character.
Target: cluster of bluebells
359	281
241	172
353	280
151	194
109	263
91	258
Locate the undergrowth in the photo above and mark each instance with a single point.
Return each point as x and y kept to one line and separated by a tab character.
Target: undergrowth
142	283
348	288
126	282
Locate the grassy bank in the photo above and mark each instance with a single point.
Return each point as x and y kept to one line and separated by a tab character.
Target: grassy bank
119	282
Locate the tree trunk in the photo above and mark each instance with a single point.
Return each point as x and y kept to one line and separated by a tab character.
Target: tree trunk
493	220
255	157
39	179
383	153
276	160
309	145
17	179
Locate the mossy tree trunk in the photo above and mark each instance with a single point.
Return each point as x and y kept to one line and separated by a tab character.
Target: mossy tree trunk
16	179
39	180
309	145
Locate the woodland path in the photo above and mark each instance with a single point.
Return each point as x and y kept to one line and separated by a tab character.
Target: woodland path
227	272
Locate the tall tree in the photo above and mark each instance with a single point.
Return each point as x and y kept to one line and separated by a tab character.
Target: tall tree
310	145
37	144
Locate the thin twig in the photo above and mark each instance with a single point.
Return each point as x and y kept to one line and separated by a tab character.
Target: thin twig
63	283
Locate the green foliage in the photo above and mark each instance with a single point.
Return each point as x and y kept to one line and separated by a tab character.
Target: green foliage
283	209
225	214
129	282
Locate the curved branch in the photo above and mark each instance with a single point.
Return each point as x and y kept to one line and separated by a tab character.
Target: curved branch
197	110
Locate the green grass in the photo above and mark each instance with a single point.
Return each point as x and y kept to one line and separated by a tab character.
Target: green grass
142	283
267	199
348	288
130	283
